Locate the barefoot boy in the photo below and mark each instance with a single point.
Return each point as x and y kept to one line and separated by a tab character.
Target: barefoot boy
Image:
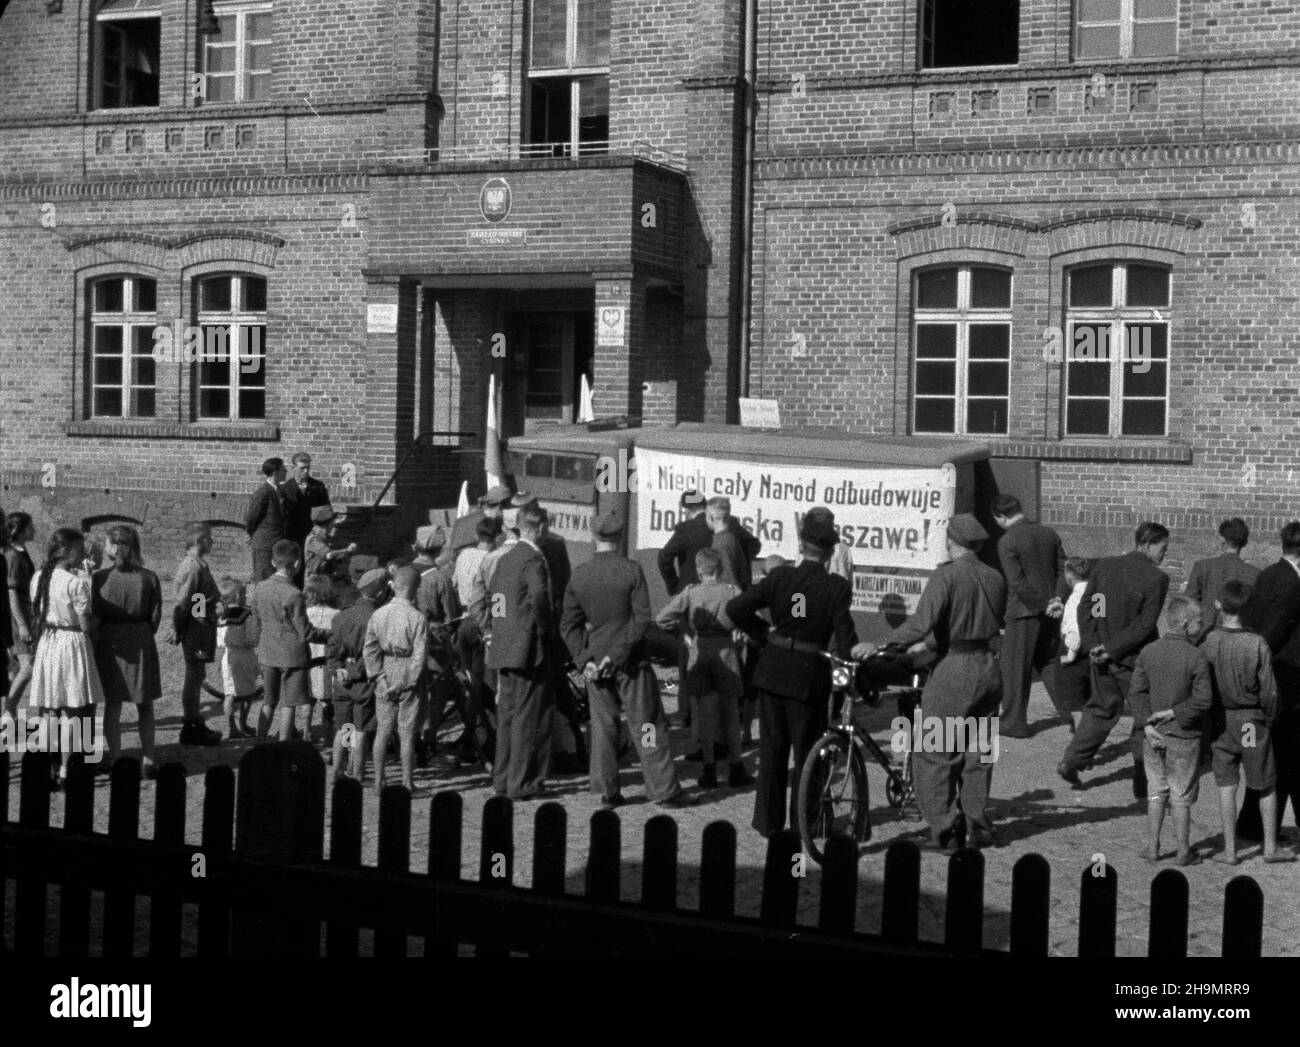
396	655
1170	695
1246	691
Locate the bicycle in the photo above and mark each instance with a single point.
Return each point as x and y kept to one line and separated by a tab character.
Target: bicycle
833	793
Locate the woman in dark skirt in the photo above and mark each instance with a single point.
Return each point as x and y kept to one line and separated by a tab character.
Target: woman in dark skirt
127	600
19	571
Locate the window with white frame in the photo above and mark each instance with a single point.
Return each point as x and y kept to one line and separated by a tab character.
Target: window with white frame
123	371
1117	338
568	78
237	58
230	373
126	49
1125	28
961	337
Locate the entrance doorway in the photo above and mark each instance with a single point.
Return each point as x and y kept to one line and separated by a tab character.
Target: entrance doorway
550	352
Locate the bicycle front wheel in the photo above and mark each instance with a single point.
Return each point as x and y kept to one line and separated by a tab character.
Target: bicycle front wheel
832	794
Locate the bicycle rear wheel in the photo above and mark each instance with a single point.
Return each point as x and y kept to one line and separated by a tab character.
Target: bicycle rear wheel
832	794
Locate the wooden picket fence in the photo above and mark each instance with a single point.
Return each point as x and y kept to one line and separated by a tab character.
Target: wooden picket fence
270	891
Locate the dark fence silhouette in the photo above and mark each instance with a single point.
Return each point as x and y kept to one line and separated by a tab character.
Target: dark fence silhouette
266	889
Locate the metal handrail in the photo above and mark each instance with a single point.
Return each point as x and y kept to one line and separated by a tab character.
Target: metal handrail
411	450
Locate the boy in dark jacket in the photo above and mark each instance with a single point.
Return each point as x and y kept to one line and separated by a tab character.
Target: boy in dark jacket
1245	694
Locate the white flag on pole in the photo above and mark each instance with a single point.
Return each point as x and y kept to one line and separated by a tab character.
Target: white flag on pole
585	411
492	464
462	503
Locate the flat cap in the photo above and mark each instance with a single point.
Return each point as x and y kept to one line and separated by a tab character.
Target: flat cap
430	536
498	495
819	532
965	530
607	525
372	582
322	514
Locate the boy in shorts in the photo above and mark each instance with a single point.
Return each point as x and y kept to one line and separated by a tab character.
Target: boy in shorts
396	654
1170	695
1245	693
283	636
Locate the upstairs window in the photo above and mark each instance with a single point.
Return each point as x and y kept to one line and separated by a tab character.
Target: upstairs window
123	371
126	48
231	368
961	331
568	78
1117	338
237	58
957	33
1125	28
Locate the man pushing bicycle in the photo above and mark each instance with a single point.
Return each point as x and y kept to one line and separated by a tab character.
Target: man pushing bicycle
963	606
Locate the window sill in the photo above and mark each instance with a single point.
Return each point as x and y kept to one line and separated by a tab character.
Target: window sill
1130	450
155	430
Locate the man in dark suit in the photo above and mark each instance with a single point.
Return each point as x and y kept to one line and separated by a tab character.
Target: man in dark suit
810	609
1032	559
301	493
606	615
677	558
1273	611
522	624
1117	618
264	521
960	611
1207	576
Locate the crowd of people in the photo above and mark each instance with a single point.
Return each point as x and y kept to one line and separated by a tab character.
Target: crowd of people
497	597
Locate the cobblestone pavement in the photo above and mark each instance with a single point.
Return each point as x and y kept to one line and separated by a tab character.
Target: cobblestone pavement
1034	812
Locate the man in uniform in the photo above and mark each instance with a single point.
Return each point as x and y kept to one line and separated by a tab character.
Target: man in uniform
606	615
464	532
809	609
1032	560
1117	618
437	600
961	609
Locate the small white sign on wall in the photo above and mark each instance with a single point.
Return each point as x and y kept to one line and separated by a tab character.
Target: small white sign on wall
381	318
611	321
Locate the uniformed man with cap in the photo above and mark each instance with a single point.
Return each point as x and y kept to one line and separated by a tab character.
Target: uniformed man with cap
604	622
438	601
809	609
960	611
464	532
318	557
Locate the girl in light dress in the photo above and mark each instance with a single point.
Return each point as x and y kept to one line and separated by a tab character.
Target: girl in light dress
319	593
238	656
65	682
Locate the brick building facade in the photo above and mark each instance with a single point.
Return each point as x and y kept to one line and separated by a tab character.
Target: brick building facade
909	161
378	203
387	201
